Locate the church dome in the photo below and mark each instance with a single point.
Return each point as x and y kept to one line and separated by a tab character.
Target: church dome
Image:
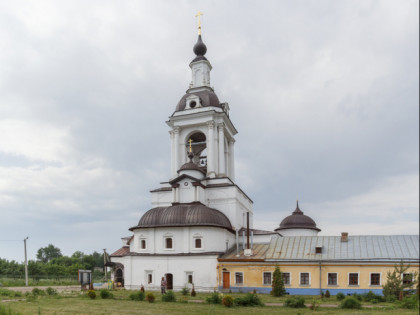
191	214
297	220
200	50
207	98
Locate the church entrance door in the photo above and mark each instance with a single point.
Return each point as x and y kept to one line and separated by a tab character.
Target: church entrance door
226	280
169	281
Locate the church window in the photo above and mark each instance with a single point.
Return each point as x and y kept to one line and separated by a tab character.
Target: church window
286	278
407	278
239	278
375	279
168	243
267	278
143	244
149	276
197	242
305	278
332	278
190	279
353	279
189	276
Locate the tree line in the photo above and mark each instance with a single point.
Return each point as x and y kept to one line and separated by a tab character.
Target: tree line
51	263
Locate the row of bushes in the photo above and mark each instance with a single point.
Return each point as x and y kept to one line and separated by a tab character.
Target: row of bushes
34	292
250	299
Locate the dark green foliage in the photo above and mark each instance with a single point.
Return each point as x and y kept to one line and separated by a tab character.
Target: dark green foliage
358	297
215	298
150	297
5	292
295	302
185	291
91	294
46	254
394	286
137	296
227	301
169	297
51	291
350	302
278	283
340	296
8	311
372	297
36	292
249	299
411	302
106	294
327	294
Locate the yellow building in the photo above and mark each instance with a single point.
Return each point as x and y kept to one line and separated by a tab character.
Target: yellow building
311	264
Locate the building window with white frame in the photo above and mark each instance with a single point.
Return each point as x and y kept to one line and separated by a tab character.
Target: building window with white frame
198	243
149	277
143	243
286	278
169	242
332	278
305	278
267	278
407	278
239	278
353	278
375	279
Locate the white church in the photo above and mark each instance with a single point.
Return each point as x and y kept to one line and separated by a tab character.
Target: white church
200	213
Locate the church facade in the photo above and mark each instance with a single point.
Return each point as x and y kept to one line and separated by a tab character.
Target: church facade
200	231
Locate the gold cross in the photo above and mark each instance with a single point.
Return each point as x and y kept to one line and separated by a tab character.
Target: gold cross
190	141
199	21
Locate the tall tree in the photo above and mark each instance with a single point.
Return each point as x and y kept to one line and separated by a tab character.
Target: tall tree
45	254
278	283
399	281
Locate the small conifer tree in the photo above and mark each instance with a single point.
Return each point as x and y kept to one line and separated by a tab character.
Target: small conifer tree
278	283
395	285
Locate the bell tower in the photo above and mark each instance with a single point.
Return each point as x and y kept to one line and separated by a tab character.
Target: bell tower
201	121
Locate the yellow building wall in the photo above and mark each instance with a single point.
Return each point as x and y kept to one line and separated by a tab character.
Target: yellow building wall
253	276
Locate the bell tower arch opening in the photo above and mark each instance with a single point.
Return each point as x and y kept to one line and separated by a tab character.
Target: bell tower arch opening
197	145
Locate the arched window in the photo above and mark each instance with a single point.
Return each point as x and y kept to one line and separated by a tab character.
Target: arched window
168	242
143	244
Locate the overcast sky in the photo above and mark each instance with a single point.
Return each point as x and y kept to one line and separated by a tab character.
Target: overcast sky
324	94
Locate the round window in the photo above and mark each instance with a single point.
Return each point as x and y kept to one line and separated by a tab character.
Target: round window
193	104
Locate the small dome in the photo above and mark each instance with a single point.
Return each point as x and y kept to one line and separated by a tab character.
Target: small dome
191	214
190	166
207	98
297	220
200	50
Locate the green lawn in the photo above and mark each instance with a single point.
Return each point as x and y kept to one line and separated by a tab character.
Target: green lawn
78	303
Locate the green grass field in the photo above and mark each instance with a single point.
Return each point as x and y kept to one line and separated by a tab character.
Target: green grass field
79	303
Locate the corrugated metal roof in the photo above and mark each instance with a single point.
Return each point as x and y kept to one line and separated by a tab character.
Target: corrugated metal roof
358	247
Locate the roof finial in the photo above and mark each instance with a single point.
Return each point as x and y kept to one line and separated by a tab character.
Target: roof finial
199	14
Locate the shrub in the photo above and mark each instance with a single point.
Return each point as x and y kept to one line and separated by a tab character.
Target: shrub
314	304
150	297
6	292
249	299
51	291
91	294
340	296
36	292
390	298
18	294
137	296
295	302
185	291
278	283
105	294
358	297
327	294
169	297
351	302
411	302
227	301
214	298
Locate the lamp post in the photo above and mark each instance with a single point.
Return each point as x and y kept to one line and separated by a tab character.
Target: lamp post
26	262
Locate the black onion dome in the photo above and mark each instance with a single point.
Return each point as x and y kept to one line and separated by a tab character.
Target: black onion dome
191	214
297	220
191	166
200	50
207	98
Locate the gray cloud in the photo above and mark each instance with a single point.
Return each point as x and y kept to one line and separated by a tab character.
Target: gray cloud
324	95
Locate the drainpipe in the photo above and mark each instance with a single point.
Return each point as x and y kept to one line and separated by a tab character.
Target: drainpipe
252	239
237	242
320	279
243	240
247	230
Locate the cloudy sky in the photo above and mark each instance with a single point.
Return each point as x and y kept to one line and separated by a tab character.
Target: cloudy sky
324	94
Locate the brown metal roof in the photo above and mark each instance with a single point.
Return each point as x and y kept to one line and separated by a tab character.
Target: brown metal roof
191	214
121	252
297	220
207	98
